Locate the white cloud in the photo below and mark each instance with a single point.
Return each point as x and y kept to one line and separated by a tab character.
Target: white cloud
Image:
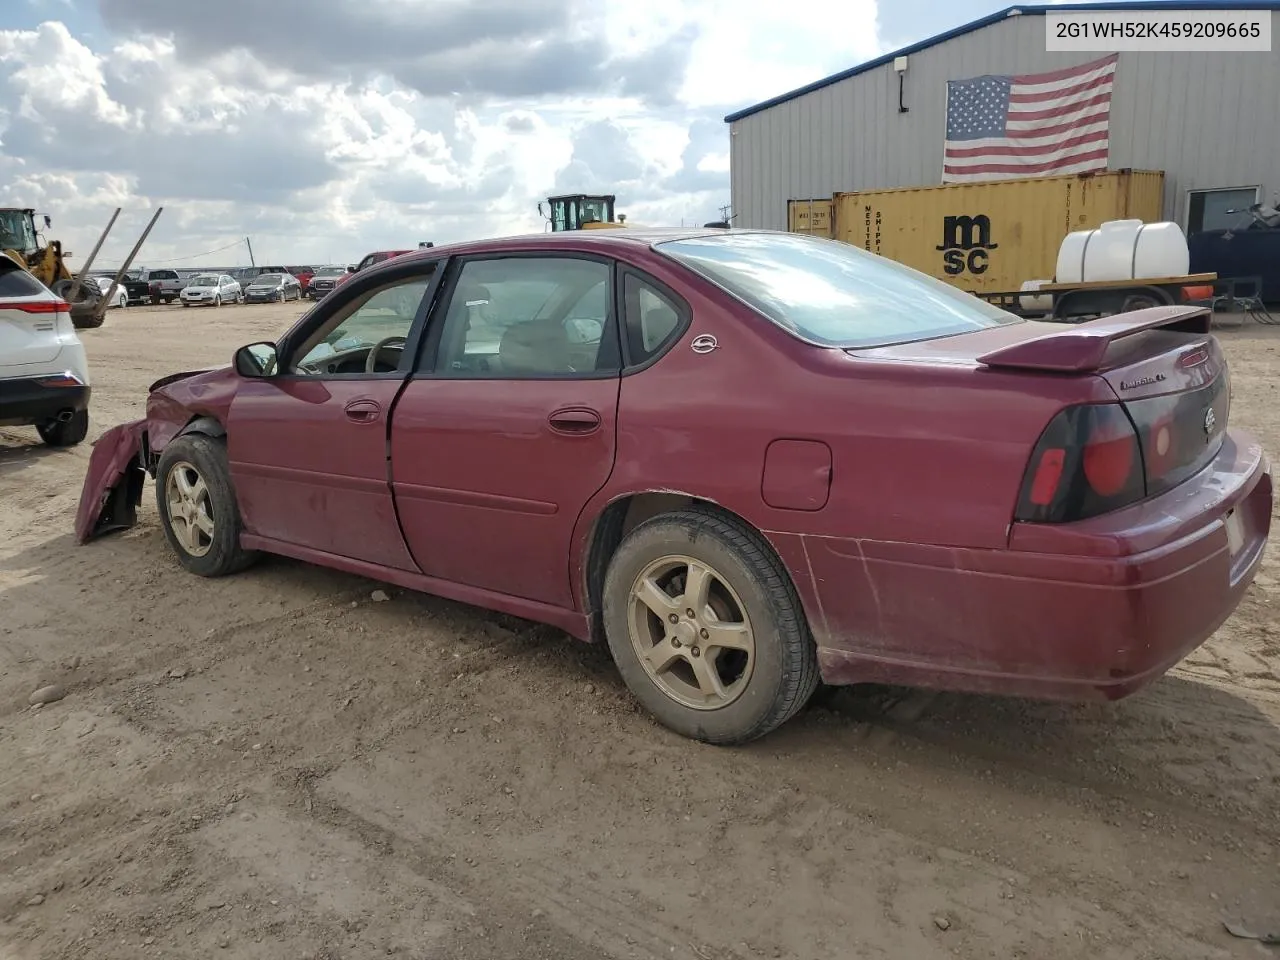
346	140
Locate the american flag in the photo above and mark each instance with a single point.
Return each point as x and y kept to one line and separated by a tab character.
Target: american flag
1037	125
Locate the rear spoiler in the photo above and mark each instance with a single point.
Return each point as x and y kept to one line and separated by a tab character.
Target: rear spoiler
1081	348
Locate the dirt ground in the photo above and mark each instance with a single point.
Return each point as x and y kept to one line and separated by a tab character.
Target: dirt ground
276	765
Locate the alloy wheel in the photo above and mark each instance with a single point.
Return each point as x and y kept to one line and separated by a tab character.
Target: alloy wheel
691	632
189	509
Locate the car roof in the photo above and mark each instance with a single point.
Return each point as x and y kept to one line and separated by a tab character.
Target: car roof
605	241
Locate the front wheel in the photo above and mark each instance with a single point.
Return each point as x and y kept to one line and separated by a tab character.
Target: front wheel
198	508
706	628
217	299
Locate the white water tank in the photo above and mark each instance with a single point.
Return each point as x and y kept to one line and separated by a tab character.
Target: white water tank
1034	302
1123	250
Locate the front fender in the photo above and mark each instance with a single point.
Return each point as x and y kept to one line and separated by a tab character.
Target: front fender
112	488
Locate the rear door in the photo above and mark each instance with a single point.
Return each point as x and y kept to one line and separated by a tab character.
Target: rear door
28	321
507	431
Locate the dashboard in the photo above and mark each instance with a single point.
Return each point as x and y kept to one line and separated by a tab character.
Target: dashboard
354	360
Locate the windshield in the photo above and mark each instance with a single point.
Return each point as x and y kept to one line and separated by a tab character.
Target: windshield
16	231
331	271
833	293
204	282
266	280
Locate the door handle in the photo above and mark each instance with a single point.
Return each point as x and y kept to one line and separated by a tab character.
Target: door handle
575	421
362	411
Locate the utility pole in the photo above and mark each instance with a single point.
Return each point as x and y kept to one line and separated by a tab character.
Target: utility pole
252	262
104	303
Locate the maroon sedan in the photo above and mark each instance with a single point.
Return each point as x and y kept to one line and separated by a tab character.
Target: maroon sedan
746	460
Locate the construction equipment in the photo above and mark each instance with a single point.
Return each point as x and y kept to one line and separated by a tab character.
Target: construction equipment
47	263
581	211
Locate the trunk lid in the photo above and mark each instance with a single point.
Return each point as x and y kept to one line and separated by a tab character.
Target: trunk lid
1166	369
1163	365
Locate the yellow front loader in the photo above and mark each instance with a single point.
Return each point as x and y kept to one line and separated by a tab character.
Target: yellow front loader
581	211
47	263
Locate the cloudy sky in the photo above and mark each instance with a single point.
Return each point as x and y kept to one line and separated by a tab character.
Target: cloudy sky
323	129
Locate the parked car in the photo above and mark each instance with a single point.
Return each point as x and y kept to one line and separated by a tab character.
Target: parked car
121	298
273	286
165	285
325	279
303	275
44	376
372	259
137	286
246	275
571	428
211	288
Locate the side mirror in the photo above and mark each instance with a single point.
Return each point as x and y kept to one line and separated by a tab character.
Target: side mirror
256	361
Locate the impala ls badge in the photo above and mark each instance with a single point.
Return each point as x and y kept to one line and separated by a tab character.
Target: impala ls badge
1210	420
704	343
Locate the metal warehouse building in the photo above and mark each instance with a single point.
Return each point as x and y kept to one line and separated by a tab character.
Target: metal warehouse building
1209	120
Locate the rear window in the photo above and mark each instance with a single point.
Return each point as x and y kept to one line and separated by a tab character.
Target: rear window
16	282
832	293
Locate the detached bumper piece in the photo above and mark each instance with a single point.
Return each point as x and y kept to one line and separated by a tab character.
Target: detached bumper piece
113	483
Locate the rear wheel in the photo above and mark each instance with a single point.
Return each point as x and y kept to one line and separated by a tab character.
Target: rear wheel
65	433
706	628
1139	301
198	507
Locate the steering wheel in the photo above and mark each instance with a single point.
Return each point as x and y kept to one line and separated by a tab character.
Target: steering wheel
371	360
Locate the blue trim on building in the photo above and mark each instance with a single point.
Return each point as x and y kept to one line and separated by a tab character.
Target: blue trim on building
1026	10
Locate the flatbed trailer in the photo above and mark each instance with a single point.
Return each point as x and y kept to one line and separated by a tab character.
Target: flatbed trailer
1074	302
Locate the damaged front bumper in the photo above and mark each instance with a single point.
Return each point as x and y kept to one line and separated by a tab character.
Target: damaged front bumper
113	483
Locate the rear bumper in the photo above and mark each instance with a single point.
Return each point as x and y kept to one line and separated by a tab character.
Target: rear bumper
1074	611
32	400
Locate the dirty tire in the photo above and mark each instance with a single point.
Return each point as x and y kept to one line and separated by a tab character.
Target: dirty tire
67	433
208	455
785	670
1139	301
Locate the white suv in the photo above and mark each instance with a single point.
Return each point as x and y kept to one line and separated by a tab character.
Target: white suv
44	377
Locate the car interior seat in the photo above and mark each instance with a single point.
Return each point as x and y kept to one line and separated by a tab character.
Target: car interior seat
536	347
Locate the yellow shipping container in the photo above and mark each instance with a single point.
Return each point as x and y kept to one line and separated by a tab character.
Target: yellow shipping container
993	235
809	216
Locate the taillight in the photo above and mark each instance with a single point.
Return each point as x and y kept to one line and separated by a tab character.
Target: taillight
1086	462
35	306
1181	432
1094	458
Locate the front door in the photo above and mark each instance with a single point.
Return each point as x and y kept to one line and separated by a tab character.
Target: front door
500	441
308	446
